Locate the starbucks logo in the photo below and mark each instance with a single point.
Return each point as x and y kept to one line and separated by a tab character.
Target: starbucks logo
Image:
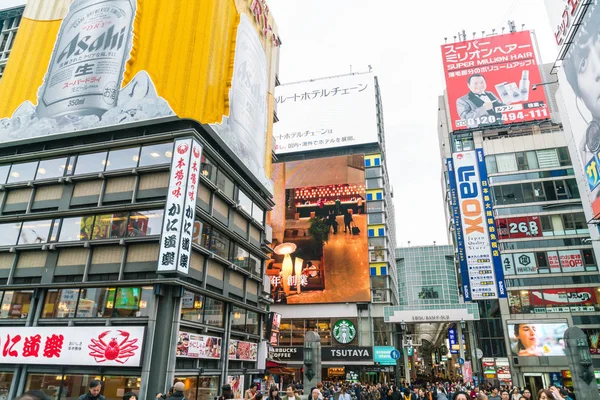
344	331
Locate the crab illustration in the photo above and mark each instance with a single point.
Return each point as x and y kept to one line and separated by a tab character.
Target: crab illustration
113	350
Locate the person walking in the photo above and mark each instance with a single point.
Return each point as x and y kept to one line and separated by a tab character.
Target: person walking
274	393
226	392
291	393
178	389
347	222
250	394
130	396
94	388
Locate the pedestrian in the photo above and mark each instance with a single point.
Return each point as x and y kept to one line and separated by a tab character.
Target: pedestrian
226	392
460	395
165	396
250	394
516	393
504	394
274	393
94	388
408	395
178	389
291	393
442	393
33	395
544	394
347	222
495	395
527	394
130	396
396	395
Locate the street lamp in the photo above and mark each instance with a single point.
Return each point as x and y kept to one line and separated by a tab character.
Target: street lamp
403	326
463	324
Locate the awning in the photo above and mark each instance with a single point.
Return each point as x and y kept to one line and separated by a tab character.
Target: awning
280	371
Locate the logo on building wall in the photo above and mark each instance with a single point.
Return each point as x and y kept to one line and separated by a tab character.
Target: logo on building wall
428	293
344	331
113	348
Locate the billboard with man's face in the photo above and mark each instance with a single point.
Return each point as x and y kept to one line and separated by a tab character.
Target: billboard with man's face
490	81
83	64
580	90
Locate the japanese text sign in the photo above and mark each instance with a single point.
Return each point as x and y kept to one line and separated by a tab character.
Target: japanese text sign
326	113
192	345
484	275
519	227
240	350
178	221
86	346
489	81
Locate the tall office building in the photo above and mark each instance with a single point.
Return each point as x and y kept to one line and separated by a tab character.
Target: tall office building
135	185
10	19
515	211
333	266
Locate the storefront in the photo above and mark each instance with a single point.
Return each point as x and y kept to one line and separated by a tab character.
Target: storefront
61	361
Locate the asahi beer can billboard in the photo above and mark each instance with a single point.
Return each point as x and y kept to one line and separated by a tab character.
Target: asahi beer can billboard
114	62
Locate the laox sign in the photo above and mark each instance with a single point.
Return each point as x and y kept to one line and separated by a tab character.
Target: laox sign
566	20
471	207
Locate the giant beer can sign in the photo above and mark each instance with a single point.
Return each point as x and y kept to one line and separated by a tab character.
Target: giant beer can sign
87	66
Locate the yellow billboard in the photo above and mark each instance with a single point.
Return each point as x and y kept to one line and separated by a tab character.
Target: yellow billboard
83	64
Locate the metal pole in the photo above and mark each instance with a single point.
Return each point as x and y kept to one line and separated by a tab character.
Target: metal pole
461	347
405	356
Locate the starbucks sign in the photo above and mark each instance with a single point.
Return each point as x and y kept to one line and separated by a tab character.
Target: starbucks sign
344	331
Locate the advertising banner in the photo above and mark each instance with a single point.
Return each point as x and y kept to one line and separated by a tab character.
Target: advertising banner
571	261
61	345
180	209
467	372
563	15
94	74
489	81
192	345
347	353
485	273
519	227
578	87
536	340
237	385
525	263
286	353
458	232
383	355
503	369
320	231
313	115
242	351
593	336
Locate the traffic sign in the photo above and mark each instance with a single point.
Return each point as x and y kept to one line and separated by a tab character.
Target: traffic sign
395	354
461	361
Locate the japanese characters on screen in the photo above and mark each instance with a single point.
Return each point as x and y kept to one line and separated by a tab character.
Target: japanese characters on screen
580	88
490	81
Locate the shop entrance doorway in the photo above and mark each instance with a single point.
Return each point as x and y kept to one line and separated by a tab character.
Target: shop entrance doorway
534	382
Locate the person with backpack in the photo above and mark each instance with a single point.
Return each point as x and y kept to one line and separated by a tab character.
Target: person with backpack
347	222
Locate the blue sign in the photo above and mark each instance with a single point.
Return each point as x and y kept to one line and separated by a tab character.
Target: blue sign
395	354
461	361
384	355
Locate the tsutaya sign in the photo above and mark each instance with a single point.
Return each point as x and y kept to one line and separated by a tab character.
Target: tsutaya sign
60	345
452	314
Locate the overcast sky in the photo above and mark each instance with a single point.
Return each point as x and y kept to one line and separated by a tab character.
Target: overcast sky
401	40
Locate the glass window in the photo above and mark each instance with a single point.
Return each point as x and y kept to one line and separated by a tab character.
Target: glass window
245	202
9	233
127	302
490	163
238	320
93	303
145	223
219	244
538	191
548	158
5	382
206	233
4	173
225	184
561	190
376	218
506	162
208	168
588	257
51	168
241	257
192	305
549	190
528	194
110	226
49	384
90	163
258	214
532	160
220	210
255	265
252	323
76	228
22	172
572	189
204	195
376	241
213	314
521	161
123	158
146	301
35	232
512	194
374	172
563	156
156	154
374	183
16	304
60	303
374	206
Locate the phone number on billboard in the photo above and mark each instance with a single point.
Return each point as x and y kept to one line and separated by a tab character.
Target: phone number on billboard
514	116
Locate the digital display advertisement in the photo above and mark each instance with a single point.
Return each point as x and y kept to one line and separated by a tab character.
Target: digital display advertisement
593	336
536	340
578	85
95	74
313	115
318	255
479	257
489	81
519	227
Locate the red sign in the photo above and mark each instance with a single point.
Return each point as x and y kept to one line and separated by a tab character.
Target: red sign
489	81
519	227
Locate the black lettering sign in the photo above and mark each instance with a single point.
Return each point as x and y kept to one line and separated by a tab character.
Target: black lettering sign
347	353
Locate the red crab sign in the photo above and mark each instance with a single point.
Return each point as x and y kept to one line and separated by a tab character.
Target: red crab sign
104	346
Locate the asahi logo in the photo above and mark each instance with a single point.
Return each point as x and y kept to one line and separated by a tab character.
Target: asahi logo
106	41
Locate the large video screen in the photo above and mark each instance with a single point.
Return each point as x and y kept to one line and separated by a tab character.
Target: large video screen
319	232
537	339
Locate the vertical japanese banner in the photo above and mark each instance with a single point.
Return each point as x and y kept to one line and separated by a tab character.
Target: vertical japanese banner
178	220
491	224
460	242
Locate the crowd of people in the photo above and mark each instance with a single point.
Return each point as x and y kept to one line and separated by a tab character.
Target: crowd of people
419	391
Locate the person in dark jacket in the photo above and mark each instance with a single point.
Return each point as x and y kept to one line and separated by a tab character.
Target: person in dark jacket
347	222
130	396
93	393
226	392
178	389
396	395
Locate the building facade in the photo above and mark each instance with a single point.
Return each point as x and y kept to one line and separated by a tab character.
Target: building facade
341	186
544	241
10	19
